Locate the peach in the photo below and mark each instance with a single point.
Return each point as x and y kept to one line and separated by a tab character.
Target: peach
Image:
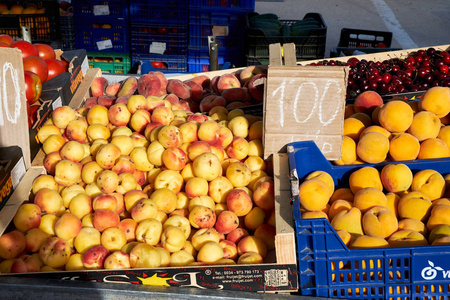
314	194
34	239
211	101
76	130
149	231
256	87
439	216
174	158
144	209
345	237
369	197
169	179
337	206
429	182
363	117
436	100
128	226
343	194
425	125
105	218
46	131
104	201
444	134
239	174
407	238
248	72
396	177
353	128
11	244
86	238
379	129
415	205
238	148
149	85
443	240
254	218
106	101
72	150
367	241
163	115
365	177
61	116
404	147
433	148
379	221
396	116
393	200
264	195
348	220
55	252
236	94
348	151
68	226
53	143
94	257
367	101
140	157
196	90
49	201
413	224
202	217
227	81
372	147
28	216
124	164
226	137
119	115
179	88
90	102
50	161
98	86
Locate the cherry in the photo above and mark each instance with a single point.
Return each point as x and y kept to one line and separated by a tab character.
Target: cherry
431	51
428	78
444	68
421	53
421	72
373	84
419	59
446	82
446	59
386	77
441	76
396	68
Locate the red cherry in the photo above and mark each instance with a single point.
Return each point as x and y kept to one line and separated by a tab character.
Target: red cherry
444	69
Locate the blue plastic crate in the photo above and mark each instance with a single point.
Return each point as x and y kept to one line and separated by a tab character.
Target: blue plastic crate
89	31
201	24
198	64
198	60
174	37
85	8
159	11
223	5
395	273
172	63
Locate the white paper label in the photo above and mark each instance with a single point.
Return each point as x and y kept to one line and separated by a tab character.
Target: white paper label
18	172
220	30
57	103
106	44
101	10
84	66
157	47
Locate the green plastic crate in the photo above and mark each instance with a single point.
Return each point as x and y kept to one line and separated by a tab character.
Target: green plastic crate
110	62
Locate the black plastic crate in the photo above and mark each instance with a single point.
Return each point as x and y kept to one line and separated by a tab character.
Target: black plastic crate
159	11
67	29
43	24
145	37
91	8
310	46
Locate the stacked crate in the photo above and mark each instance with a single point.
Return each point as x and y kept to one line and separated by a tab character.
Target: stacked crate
102	26
223	19
159	35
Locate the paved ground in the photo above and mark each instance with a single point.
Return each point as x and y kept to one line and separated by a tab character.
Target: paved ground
414	23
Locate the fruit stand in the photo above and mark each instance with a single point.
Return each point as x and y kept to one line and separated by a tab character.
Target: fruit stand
290	176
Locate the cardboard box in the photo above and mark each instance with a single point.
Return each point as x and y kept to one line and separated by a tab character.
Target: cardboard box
12	169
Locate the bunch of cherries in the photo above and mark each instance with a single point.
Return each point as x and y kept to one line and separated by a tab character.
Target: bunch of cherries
420	71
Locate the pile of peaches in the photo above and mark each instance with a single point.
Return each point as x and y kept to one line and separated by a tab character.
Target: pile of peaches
397	130
391	208
135	179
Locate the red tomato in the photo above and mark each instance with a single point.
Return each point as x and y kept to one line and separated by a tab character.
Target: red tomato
33	87
27	48
158	65
36	65
28	109
162	30
7	39
55	67
174	30
4	45
45	51
33	116
66	64
381	45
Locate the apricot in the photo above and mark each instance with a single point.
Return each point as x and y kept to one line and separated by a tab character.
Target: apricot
314	194
425	125
436	100
404	146
365	177
372	147
369	197
353	128
348	152
433	148
396	177
396	116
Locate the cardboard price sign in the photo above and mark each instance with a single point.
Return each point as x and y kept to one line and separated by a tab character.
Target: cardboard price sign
13	111
304	103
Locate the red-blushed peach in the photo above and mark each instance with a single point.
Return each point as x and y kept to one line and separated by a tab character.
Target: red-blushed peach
211	101
76	130
98	86
196	90
86	238
117	260
27	216
94	257
105	218
174	158
197	148
236	94
179	88
34	238
197	117
181	258
248	72
256	87
128	226
250	258
55	252
11	244
68	226
239	202
90	102
367	101
149	85
227	81
106	101
113	239
225	137
202	217
149	231
226	222
210	252
229	249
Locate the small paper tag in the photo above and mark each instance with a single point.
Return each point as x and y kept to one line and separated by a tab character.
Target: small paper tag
84	66
106	44
157	47
220	30
18	172
101	10
57	103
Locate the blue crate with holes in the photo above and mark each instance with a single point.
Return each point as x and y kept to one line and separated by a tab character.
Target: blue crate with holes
91	8
162	63
228	28
223	5
94	34
198	60
145	36
328	268
159	11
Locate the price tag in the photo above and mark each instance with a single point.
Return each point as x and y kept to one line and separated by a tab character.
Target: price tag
57	103
85	66
157	47
101	10
18	172
106	44
220	30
